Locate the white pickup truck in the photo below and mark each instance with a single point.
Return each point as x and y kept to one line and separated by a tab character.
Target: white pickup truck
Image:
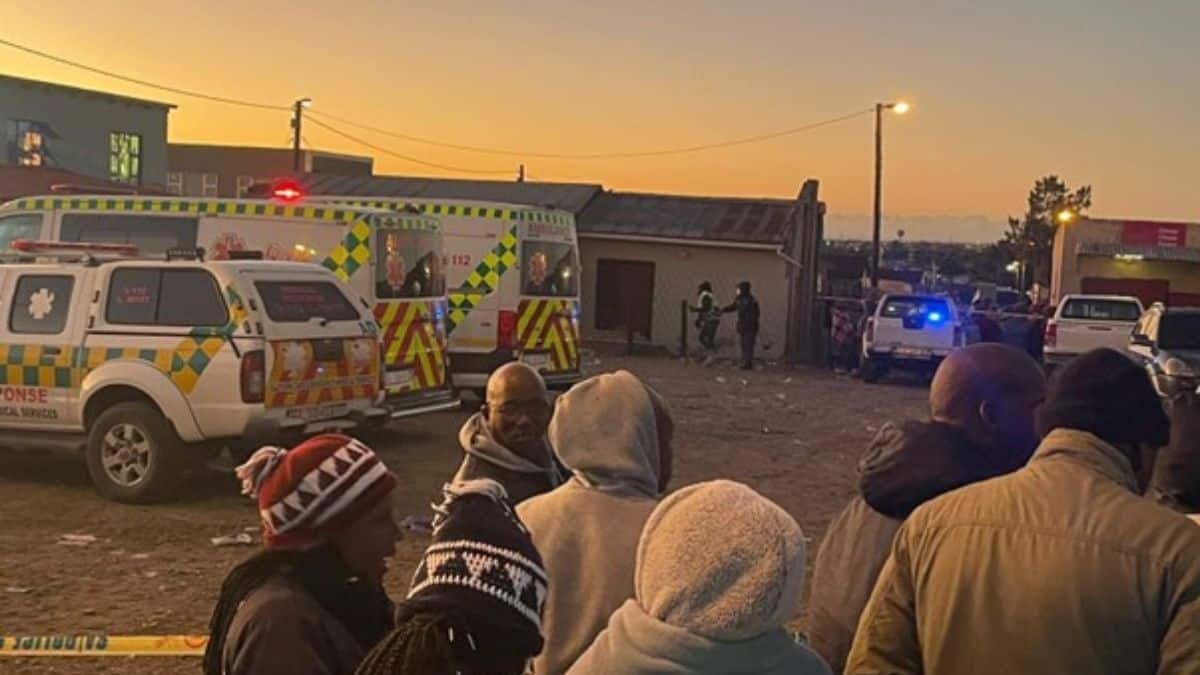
909	332
1086	322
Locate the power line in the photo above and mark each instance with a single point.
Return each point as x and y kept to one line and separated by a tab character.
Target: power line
601	155
404	157
144	83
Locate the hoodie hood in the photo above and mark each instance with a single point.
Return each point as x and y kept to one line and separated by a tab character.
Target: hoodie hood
635	643
910	463
604	432
477	440
722	562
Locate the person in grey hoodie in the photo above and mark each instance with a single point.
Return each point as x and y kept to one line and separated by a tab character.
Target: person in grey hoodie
506	440
614	434
720	571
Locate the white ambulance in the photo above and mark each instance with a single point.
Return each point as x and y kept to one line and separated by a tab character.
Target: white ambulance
513	285
148	366
392	259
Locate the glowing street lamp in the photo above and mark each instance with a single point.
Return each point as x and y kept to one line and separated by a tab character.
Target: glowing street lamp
898	107
1065	216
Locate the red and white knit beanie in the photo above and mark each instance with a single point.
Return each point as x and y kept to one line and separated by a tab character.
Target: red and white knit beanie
314	489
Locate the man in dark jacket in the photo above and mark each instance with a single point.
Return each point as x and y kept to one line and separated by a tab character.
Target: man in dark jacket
982	404
746	307
506	440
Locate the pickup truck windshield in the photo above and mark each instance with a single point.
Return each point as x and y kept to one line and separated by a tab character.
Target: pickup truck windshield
1179	331
1101	310
300	301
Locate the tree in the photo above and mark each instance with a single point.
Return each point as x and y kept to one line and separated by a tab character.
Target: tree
1030	239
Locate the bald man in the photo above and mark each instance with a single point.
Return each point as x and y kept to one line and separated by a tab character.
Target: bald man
981	425
506	439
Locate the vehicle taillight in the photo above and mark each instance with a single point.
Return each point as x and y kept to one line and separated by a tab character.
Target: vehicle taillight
254	376
1051	337
506	330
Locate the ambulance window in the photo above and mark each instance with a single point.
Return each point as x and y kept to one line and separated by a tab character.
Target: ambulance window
19	226
408	265
548	268
157	297
191	298
301	301
132	296
153	234
41	304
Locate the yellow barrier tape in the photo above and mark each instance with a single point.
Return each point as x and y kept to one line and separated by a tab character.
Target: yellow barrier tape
102	645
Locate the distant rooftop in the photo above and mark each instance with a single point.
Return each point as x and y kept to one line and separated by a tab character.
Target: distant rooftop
733	219
40	84
571	197
26	181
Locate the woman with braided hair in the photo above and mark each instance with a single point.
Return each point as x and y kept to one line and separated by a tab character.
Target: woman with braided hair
475	607
312	602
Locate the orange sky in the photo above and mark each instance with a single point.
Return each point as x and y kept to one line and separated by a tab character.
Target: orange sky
1094	90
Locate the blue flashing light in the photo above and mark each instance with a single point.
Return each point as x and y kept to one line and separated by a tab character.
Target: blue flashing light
935	317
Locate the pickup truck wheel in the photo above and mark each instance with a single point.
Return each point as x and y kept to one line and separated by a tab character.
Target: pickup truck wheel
133	454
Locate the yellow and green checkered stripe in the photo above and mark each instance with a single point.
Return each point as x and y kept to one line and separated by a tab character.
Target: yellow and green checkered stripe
484	211
484	279
214	207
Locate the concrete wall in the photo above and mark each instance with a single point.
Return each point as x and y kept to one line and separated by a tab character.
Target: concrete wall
678	269
83	121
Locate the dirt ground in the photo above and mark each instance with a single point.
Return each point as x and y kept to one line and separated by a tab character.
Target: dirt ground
793	434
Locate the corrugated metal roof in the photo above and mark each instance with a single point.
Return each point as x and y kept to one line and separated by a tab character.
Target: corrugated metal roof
571	197
759	221
24	181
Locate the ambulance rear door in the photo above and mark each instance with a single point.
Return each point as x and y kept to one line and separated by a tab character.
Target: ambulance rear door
548	311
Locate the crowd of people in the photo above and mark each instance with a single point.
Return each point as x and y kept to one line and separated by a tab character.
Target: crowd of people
1024	526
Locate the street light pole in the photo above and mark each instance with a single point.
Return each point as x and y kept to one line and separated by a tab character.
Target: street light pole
876	224
298	111
899	108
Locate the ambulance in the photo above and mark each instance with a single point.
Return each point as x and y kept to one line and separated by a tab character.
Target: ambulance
392	259
149	366
512	285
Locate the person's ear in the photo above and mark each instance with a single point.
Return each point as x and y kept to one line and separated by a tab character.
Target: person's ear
989	415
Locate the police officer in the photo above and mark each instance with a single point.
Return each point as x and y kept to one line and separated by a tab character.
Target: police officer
746	307
709	317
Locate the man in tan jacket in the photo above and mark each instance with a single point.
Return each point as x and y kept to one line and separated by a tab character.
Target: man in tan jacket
1060	567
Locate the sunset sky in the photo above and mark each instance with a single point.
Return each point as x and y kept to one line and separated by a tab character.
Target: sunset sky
1098	91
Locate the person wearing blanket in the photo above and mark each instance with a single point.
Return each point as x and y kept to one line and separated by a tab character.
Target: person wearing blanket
719	572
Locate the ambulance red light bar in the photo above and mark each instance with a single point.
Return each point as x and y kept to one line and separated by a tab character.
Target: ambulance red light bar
287	191
64	247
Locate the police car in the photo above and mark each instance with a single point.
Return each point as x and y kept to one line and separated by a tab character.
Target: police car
147	366
909	332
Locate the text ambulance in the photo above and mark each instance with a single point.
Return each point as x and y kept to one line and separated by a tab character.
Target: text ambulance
151	365
393	260
513	285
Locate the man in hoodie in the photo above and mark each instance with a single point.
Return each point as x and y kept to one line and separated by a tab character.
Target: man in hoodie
614	434
506	440
746	306
719	573
1060	567
982	404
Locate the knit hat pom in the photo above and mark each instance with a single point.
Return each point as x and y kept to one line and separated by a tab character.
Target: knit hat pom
258	468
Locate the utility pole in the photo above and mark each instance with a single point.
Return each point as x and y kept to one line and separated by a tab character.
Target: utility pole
298	112
876	224
521	174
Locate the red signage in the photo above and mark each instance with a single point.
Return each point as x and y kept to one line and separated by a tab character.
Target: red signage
1154	234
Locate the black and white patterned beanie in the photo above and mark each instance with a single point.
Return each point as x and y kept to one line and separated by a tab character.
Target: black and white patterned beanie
482	565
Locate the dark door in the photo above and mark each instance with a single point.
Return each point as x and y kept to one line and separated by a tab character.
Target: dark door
1149	291
625	296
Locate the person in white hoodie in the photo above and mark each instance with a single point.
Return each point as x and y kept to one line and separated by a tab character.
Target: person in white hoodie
614	434
720	571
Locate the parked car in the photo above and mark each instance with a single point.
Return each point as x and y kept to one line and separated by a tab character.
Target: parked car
909	332
1167	341
1086	322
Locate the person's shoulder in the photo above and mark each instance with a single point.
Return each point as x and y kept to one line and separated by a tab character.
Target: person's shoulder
277	598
